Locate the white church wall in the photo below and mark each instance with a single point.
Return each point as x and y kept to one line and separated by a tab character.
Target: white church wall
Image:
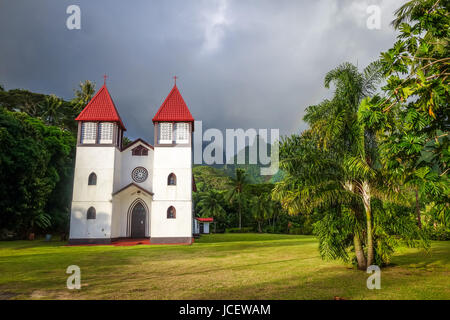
99	160
161	226
116	218
83	228
117	170
175	160
129	162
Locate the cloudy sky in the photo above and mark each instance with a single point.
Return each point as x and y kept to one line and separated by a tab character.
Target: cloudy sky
240	63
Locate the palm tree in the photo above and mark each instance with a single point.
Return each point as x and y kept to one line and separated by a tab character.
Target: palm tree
262	209
236	186
83	94
52	111
210	204
340	125
335	159
412	9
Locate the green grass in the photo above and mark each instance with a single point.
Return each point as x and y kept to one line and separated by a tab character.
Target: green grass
222	266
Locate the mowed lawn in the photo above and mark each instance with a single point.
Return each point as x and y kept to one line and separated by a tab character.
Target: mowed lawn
222	266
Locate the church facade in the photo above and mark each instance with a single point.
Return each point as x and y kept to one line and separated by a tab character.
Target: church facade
138	191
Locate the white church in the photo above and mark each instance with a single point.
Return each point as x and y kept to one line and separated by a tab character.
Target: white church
140	191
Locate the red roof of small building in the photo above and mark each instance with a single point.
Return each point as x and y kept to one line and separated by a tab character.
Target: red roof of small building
101	108
173	109
205	219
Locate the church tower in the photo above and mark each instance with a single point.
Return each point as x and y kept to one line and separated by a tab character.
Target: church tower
172	171
99	142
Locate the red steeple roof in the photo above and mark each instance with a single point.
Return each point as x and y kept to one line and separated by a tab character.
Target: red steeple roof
173	109
101	108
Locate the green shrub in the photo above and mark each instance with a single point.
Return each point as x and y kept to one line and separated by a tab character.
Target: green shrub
440	233
237	230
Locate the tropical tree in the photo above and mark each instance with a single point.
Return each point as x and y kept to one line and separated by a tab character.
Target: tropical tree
334	166
236	186
83	94
36	164
210	204
411	119
51	110
337	123
262	209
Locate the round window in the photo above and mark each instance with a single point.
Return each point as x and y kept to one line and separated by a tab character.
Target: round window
139	174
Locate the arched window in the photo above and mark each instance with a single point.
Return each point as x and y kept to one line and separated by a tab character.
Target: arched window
171	213
172	180
139	151
92	181
91	213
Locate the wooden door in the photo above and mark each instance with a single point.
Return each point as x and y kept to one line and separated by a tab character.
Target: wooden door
138	220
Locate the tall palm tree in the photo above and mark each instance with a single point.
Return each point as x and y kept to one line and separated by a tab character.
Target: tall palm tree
52	112
83	94
335	159
236	186
85	91
262	209
340	125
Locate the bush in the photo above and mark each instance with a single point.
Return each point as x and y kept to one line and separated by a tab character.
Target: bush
7	235
237	230
440	233
296	231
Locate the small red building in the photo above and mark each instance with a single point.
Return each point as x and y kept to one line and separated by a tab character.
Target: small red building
201	225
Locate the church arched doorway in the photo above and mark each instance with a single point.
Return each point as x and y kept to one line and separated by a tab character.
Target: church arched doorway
138	220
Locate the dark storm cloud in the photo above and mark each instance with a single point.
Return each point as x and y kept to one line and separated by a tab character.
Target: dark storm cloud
249	64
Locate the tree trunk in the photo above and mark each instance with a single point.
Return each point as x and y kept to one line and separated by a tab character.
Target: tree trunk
366	200
359	252
419	220
259	227
240	215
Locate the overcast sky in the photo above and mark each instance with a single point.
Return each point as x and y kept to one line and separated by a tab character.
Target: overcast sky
240	63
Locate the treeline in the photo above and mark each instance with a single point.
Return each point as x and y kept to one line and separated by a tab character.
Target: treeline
37	152
237	205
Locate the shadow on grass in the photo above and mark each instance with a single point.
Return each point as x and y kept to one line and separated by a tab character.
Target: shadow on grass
337	281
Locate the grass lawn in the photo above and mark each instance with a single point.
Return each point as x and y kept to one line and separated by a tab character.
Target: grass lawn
222	266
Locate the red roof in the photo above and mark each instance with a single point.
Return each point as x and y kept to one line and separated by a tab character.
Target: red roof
205	219
101	108
173	109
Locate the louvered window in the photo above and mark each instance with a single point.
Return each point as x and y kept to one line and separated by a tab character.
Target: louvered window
165	132
182	132
106	132
89	132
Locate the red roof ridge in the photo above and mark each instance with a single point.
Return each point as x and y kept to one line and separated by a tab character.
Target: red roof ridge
92	111
205	219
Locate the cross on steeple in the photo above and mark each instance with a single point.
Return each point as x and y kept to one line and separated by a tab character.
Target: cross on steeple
175	77
104	79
